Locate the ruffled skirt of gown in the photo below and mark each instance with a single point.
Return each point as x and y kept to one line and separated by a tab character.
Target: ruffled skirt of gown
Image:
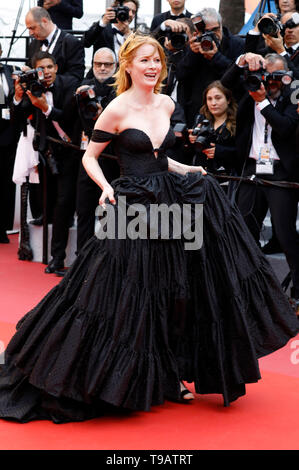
133	317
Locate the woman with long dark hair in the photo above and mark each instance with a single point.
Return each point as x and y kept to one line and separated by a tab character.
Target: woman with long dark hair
219	109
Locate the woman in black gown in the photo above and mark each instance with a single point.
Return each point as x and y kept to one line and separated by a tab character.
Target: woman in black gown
134	317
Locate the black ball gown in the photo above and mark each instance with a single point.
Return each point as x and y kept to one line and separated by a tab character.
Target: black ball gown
134	316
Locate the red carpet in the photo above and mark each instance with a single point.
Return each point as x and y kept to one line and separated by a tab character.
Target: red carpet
266	418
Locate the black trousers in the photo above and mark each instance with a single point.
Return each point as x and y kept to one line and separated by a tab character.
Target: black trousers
7	187
254	202
64	204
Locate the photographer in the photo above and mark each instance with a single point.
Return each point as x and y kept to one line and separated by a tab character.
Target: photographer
209	53
8	140
266	147
177	11
88	193
113	28
48	102
271	35
67	49
213	136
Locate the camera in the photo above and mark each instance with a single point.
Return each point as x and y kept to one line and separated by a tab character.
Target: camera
199	24
88	102
291	23
33	79
254	79
205	135
270	25
178	40
206	41
181	132
121	13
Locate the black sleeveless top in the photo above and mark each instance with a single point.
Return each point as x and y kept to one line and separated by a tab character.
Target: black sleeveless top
135	152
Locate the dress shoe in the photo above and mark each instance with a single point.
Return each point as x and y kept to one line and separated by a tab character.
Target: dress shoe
3	237
54	266
271	247
38	222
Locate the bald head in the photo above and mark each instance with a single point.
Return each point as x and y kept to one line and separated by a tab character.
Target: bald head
39	23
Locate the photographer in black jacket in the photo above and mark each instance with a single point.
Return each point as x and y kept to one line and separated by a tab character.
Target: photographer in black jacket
282	38
206	61
266	147
111	31
214	135
8	141
102	91
52	117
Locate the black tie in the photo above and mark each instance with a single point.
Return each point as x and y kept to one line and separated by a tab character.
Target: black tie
116	31
289	50
45	42
174	17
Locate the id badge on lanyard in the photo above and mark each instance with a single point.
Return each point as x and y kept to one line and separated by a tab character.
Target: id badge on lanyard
265	163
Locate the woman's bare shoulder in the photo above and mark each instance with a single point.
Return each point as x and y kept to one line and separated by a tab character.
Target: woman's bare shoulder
167	102
112	115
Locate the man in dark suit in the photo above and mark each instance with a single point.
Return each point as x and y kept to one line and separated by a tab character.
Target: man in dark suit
53	117
88	192
266	146
109	31
67	50
198	67
62	12
177	10
8	141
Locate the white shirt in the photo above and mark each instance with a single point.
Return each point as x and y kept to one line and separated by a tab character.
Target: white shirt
118	39
51	48
258	134
4	84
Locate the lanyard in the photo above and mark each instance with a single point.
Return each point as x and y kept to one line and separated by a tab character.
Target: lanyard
53	39
266	134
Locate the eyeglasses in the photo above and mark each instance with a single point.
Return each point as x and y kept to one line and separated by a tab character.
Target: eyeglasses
105	64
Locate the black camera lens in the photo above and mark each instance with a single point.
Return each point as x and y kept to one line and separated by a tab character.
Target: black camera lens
253	82
268	26
178	40
207	42
123	14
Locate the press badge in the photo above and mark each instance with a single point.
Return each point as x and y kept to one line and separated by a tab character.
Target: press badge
5	114
265	163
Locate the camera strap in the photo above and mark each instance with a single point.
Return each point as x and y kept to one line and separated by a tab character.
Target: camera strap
53	39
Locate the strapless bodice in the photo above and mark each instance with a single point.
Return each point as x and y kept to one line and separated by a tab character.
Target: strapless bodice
135	151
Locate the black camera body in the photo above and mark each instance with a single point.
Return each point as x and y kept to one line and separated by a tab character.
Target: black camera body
178	40
293	22
121	13
205	135
88	102
33	79
206	40
270	25
254	79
